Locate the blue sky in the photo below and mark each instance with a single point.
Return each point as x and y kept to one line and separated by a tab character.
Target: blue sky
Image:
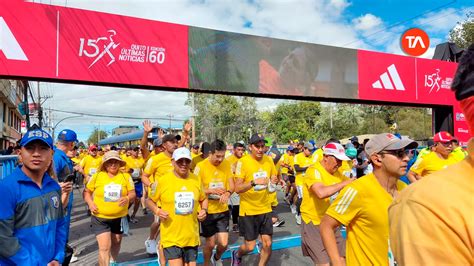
360	24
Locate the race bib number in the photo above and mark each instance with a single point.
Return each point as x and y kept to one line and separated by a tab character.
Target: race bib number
92	171
258	175
183	203
112	192
213	185
136	173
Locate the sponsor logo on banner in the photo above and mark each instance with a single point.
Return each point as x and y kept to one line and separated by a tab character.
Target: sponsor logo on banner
460	117
415	42
390	80
463	130
9	44
105	48
435	82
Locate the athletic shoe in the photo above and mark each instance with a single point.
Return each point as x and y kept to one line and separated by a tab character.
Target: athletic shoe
214	261
279	223
259	246
293	208
235	228
298	219
235	260
73	259
150	246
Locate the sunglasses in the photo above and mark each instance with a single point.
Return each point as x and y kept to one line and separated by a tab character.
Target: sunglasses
400	154
446	144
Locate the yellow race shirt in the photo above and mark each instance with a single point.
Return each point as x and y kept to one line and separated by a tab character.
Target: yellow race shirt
431	222
135	166
288	160
195	154
179	197
91	164
431	162
317	155
459	154
312	207
362	206
195	161
232	159
303	161
107	191
158	166
214	177
345	169
257	199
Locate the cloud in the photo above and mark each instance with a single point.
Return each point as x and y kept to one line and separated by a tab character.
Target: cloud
443	21
367	22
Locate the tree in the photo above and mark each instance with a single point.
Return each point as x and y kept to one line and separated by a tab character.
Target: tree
463	33
97	135
414	122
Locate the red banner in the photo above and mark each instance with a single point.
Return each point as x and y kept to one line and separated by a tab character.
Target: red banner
434	79
70	44
386	77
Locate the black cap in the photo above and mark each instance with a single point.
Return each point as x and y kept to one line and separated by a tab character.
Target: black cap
257	137
205	148
196	146
354	139
169	137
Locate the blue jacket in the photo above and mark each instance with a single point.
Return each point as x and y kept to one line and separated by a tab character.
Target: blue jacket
63	167
32	226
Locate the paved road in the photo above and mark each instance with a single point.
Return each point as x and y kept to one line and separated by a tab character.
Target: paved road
133	250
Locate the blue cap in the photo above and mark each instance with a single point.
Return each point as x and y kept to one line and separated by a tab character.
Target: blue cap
37	134
67	135
290	148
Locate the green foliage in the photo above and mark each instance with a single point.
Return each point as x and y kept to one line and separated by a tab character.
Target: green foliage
463	33
97	135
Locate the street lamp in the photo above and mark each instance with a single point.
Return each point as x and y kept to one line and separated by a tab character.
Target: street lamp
59	122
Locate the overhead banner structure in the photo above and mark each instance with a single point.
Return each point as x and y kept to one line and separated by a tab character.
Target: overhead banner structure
52	43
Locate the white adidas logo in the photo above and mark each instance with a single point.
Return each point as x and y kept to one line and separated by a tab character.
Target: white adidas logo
390	80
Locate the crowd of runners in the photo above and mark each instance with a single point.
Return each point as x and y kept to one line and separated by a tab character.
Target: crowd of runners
370	187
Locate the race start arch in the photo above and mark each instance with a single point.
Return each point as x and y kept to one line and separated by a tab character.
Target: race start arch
58	44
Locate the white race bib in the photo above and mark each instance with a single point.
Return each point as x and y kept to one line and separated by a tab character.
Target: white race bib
258	175
299	190
112	192
183	203
136	173
213	185
92	171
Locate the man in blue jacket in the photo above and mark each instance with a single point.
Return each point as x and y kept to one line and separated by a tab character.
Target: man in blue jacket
32	226
63	168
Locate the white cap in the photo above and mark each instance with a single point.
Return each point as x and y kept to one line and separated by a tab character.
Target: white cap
336	150
181	153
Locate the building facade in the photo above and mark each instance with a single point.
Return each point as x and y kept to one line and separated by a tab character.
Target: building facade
11	95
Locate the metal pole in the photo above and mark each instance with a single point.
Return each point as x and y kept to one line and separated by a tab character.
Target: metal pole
40	112
193	136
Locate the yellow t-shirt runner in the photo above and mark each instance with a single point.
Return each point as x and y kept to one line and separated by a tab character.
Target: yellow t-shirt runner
303	161
91	164
431	162
362	206
136	165
107	191
312	207
214	177
255	200
180	197
158	166
288	160
317	155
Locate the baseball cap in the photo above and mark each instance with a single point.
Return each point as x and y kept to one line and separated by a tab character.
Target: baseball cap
257	137
268	142
37	134
92	147
388	141
67	135
336	150
309	146
157	142
354	139
442	136
169	137
196	146
351	152
112	155
290	148
205	148
181	153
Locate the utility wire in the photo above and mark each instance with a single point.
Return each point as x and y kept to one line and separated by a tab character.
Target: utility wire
402	22
117	116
